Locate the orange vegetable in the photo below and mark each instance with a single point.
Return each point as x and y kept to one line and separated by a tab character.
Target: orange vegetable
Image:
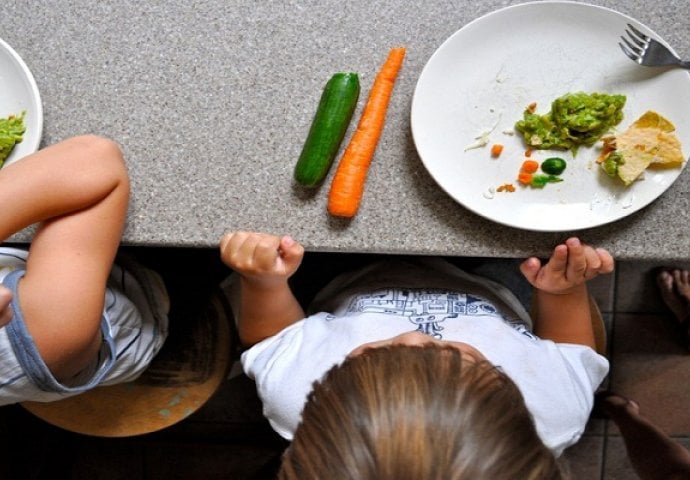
529	166
528	152
348	182
496	149
525	178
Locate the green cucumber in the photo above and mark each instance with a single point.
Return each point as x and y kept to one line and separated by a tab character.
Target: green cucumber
337	104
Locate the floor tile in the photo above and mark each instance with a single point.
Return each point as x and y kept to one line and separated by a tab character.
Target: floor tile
616	463
207	462
108	460
584	460
601	288
650	367
636	290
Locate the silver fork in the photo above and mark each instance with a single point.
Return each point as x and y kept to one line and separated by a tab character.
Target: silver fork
647	51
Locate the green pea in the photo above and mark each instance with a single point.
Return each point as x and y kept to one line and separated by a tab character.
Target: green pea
553	166
539	181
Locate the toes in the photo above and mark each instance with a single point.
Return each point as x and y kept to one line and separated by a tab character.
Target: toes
669	282
681	280
665	280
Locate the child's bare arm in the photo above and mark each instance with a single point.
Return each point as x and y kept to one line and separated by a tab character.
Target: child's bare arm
264	263
78	190
561	297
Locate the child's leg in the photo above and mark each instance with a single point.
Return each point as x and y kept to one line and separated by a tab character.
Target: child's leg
79	190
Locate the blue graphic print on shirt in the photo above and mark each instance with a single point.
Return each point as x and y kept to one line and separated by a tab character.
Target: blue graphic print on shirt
426	309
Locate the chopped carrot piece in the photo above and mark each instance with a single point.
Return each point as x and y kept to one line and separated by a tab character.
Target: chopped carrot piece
525	178
529	166
528	152
496	149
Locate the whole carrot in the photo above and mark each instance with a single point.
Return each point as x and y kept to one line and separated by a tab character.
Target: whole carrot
348	183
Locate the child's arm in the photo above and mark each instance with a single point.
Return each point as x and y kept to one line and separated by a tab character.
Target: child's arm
561	297
264	263
78	190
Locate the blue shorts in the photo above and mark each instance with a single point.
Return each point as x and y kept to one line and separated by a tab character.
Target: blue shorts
134	326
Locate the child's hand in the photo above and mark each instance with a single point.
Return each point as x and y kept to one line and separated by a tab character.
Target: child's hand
570	266
261	258
5	308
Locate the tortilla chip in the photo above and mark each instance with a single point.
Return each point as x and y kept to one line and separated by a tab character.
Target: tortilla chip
648	142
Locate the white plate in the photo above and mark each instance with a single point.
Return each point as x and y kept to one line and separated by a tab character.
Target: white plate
18	93
484	76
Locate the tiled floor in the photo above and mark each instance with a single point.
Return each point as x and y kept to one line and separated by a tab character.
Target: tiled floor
229	439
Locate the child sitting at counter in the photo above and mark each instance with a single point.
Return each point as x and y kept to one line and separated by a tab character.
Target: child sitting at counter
70	319
413	368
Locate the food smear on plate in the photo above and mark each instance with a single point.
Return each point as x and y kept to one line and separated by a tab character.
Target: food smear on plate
575	119
12	130
482	138
648	143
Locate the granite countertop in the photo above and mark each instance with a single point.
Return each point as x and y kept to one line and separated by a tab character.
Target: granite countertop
211	101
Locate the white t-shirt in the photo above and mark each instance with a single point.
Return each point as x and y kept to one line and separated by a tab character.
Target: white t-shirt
557	381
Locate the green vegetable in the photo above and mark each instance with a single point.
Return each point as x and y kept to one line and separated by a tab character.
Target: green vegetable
539	181
575	119
11	133
611	164
337	104
553	165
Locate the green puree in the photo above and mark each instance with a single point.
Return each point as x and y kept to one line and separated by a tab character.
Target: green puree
575	119
11	132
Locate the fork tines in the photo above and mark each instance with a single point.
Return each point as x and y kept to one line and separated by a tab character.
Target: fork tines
631	51
639	38
634	49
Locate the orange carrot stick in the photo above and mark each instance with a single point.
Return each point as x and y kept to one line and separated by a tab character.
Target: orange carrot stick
348	183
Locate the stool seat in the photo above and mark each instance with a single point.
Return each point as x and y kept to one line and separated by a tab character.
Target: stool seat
188	370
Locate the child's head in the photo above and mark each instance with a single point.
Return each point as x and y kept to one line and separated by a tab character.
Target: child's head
426	412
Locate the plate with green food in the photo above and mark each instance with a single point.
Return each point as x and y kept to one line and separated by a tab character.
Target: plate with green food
21	110
531	116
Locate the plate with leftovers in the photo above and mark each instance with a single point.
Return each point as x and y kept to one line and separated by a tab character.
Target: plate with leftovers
532	116
21	110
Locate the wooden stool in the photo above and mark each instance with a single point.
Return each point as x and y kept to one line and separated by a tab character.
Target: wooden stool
190	367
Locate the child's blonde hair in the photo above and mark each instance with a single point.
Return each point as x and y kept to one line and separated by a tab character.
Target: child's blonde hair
411	412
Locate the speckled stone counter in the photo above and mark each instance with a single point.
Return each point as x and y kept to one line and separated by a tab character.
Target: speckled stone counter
211	101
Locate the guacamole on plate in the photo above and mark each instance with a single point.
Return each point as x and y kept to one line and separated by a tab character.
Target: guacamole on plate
11	133
575	119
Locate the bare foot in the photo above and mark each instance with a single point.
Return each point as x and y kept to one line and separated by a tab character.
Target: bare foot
674	285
